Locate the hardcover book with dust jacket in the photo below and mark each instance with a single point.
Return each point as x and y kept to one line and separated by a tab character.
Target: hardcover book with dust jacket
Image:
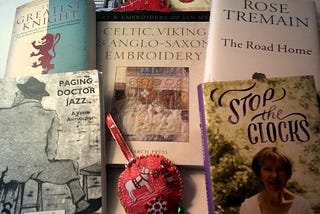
271	38
152	64
243	119
51	37
51	143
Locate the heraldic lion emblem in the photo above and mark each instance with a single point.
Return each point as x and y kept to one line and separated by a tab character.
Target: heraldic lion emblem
46	51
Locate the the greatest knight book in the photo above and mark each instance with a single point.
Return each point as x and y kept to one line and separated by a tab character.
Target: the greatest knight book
51	37
273	39
51	143
152	64
239	118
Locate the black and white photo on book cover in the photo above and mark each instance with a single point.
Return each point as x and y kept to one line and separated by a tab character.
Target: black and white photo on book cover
50	158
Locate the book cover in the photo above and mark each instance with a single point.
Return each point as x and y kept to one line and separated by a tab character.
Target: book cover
51	37
265	37
239	119
152	64
51	143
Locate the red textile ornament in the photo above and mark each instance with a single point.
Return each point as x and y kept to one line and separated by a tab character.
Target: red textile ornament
144	5
150	184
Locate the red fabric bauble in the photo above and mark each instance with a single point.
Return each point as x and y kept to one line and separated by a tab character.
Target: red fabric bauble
150	184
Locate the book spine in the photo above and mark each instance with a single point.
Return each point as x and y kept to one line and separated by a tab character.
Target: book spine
206	156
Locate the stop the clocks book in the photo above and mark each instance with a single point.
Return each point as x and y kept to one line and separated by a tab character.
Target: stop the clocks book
239	118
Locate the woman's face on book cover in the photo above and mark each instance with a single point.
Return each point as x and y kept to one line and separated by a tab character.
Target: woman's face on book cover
273	175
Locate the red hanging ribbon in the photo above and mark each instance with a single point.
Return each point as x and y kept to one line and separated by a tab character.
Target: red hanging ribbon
119	139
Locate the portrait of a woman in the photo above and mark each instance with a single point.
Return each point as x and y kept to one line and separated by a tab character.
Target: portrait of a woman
273	168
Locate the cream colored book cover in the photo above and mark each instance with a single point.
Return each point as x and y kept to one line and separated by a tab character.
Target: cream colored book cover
52	37
152	64
261	138
273	38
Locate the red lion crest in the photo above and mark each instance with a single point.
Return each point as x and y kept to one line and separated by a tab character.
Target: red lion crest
44	47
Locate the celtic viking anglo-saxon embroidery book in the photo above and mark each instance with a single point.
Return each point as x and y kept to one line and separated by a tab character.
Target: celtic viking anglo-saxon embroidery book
152	64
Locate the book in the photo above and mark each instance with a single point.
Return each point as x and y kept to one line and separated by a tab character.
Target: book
51	143
51	37
264	37
152	63
241	117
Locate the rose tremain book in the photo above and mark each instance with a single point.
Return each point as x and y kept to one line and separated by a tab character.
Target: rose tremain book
267	37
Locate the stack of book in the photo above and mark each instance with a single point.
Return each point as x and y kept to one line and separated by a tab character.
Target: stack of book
212	86
52	110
